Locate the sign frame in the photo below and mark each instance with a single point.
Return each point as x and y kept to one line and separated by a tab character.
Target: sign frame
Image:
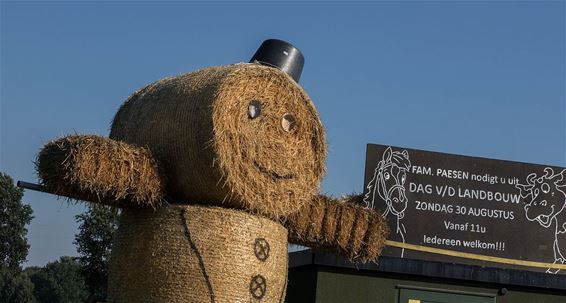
451	176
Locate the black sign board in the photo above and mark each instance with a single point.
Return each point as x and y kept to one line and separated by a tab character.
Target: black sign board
468	210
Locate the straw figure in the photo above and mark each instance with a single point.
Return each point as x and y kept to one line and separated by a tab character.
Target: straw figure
215	172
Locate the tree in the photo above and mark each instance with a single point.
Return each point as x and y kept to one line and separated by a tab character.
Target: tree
15	287
58	282
94	244
14	216
43	284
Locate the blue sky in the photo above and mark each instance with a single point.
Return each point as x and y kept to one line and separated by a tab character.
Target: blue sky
475	78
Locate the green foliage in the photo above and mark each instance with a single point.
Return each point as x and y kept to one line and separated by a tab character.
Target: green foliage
14	216
44	284
58	282
15	287
94	244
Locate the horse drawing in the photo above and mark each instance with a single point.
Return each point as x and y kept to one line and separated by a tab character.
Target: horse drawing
546	204
388	186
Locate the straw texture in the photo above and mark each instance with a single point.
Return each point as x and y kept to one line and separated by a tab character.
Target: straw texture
341	226
199	127
198	132
101	170
196	253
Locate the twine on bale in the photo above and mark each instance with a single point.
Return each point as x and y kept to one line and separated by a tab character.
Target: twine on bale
101	170
199	127
191	253
341	226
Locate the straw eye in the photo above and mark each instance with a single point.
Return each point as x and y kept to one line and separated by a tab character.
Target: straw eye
288	122
254	109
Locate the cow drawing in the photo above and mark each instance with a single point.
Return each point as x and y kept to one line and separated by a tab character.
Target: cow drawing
545	203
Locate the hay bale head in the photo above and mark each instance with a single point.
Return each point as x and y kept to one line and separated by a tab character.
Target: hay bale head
244	136
193	253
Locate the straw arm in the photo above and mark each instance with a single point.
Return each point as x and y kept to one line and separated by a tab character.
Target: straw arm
100	170
342	226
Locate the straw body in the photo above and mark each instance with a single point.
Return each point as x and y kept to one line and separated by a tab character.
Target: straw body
236	149
197	254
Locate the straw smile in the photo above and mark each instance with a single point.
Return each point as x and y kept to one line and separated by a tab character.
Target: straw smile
272	174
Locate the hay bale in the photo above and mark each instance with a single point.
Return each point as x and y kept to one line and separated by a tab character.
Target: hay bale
308	223
301	220
199	127
101	170
359	229
332	211
345	223
340	226
375	237
316	222
195	253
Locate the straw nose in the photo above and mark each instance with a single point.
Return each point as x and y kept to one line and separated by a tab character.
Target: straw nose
282	55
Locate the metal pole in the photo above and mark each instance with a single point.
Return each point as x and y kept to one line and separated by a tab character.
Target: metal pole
41	188
33	186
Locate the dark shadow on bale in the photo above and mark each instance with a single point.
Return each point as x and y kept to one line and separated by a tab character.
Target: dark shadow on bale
100	170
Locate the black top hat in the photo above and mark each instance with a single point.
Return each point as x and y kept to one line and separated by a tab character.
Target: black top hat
281	55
